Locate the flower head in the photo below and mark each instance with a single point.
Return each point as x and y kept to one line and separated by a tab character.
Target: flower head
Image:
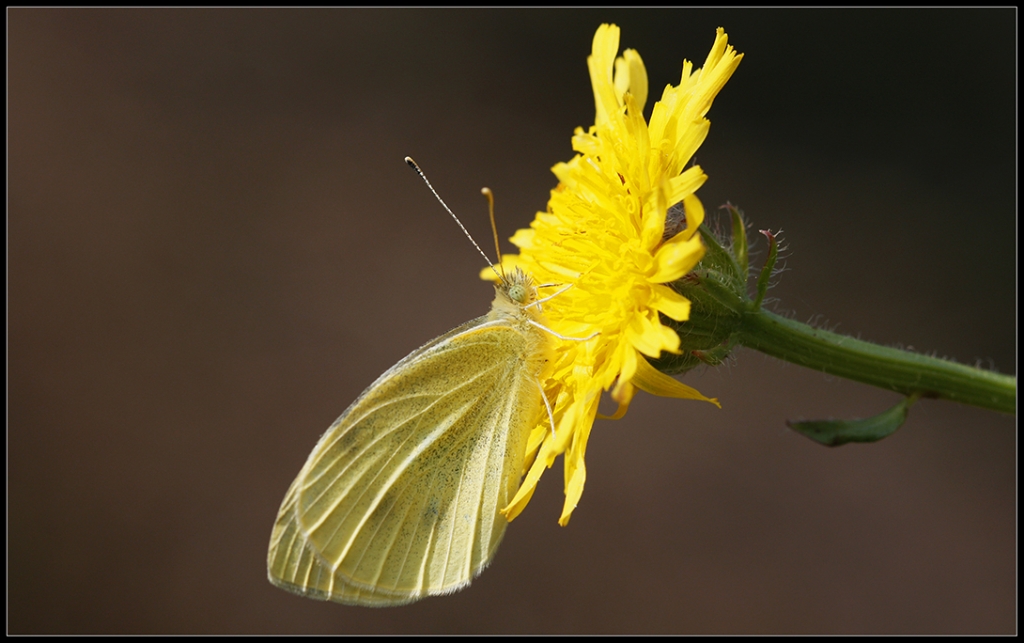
604	232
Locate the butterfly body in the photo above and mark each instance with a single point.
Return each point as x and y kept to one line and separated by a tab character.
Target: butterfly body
401	497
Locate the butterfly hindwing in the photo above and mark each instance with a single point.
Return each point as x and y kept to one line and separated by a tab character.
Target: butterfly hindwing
400	497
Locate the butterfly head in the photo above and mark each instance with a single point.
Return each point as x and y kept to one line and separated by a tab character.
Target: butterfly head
518	287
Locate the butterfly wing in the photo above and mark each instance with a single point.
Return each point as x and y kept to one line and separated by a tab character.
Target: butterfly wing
400	497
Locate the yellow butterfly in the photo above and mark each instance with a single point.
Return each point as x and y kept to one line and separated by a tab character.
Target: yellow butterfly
401	497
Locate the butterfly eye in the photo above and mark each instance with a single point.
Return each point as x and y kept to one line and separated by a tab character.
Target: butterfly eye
518	293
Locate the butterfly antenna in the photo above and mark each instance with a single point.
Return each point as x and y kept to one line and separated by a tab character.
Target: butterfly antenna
423	176
494	227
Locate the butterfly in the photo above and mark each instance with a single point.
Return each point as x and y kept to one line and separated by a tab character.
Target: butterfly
401	497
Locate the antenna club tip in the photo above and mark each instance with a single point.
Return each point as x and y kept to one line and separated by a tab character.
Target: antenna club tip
486	191
411	162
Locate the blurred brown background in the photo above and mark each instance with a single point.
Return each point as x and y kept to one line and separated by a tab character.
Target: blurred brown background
214	246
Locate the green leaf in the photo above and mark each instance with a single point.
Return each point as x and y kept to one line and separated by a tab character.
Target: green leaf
834	433
739	239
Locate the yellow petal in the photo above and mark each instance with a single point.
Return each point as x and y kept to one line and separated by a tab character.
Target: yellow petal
694	214
684	185
654	208
621	78
524	238
642	335
623	395
526	489
721	62
690	138
537	437
637	77
653	381
626	367
576	469
671	303
601	62
676	257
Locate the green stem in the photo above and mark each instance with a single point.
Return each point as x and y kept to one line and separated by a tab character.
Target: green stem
901	371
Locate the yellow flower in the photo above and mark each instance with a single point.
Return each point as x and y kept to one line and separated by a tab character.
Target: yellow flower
604	233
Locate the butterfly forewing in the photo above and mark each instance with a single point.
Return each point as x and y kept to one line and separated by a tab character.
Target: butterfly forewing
400	498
